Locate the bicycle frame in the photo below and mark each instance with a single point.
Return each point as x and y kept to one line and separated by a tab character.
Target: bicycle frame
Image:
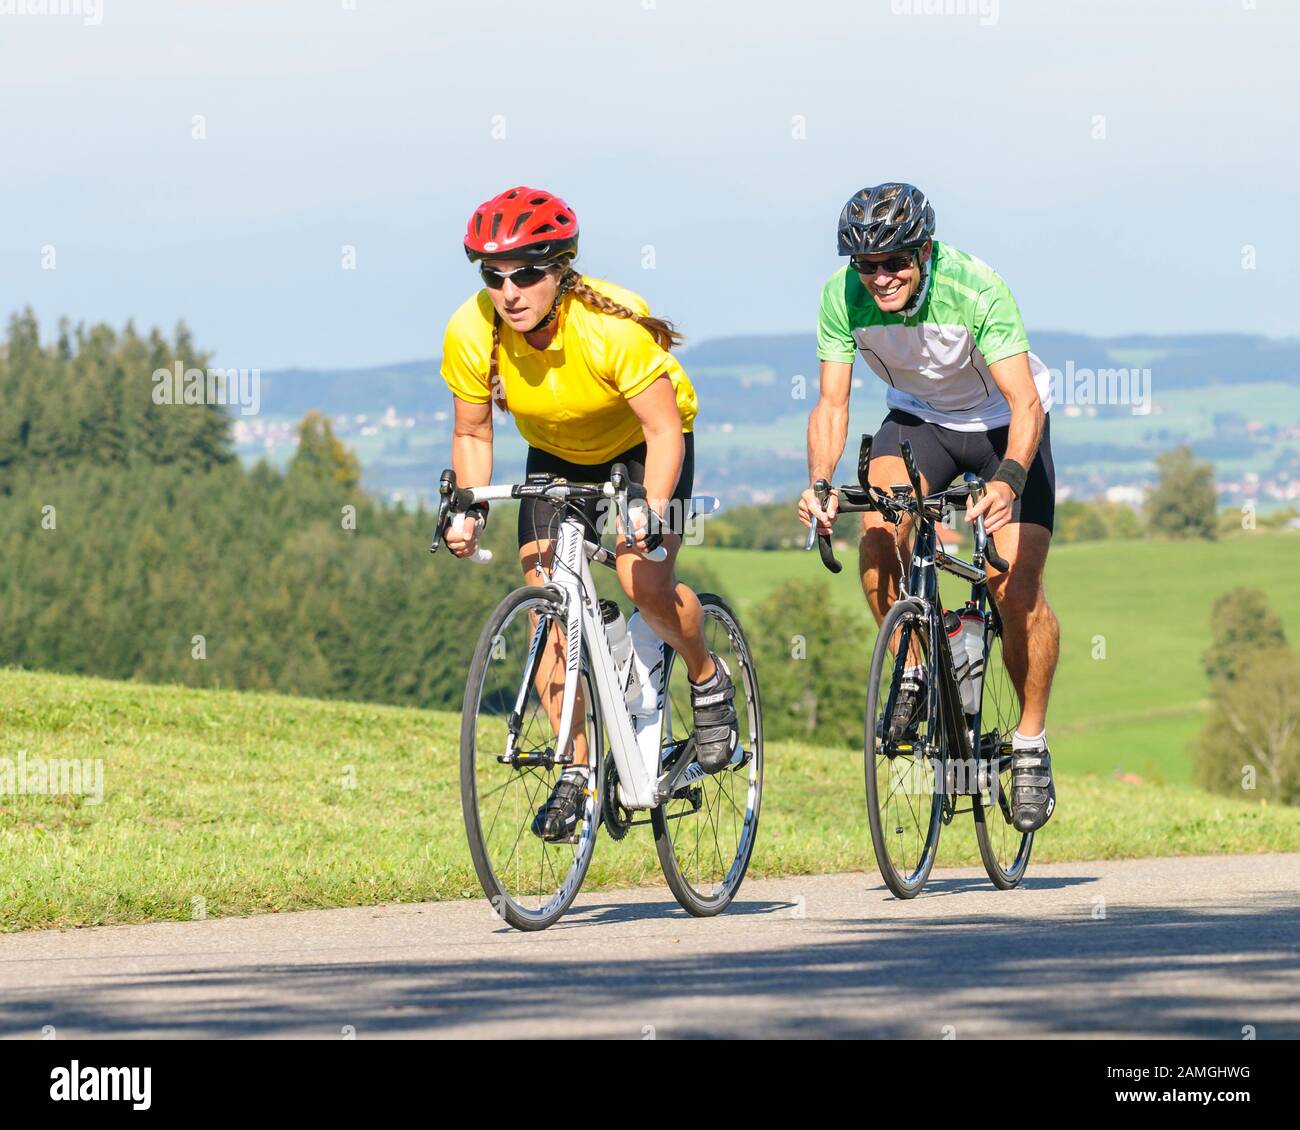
922	589
630	745
963	740
636	746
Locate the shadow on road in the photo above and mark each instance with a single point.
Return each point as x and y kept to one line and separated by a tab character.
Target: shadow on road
978	883
587	914
984	973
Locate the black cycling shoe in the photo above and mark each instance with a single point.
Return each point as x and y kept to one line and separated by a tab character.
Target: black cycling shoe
557	818
1033	793
717	729
911	707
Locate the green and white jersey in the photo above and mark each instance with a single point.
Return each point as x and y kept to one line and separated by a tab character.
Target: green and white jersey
936	362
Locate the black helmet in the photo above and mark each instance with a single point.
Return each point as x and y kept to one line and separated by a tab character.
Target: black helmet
887	217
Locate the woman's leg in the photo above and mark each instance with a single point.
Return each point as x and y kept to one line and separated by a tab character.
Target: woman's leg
537	517
667	605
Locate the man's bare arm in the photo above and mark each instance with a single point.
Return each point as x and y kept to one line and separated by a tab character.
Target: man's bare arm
828	428
1014	379
828	423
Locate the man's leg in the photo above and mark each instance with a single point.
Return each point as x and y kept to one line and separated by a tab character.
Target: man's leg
879	551
883	544
885	549
1031	636
1030	645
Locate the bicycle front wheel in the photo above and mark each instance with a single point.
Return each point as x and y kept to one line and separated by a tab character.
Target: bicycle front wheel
509	762
1004	849
903	769
705	832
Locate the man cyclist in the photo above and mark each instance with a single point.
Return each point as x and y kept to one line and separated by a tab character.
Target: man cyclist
941	328
587	374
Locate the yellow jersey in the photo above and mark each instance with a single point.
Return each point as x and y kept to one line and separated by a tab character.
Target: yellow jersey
569	399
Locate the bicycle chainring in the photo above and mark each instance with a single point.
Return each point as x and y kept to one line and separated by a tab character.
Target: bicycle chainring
613	815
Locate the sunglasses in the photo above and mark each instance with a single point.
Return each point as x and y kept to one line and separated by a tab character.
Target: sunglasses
890	266
520	276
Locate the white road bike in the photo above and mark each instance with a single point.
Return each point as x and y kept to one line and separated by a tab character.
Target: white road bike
544	679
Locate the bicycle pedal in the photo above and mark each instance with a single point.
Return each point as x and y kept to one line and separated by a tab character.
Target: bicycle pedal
538	758
740	758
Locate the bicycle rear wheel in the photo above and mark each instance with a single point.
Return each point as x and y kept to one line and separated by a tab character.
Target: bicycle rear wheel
1004	849
530	882
705	832
903	773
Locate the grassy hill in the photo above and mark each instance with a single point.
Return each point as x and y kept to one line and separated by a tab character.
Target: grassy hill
1139	708
218	803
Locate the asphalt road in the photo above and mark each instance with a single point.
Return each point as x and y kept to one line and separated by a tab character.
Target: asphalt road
1166	947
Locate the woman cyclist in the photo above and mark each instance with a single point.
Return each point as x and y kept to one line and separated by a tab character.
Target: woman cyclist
587	374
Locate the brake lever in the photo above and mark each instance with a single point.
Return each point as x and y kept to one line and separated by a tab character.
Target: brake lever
983	537
823	491
618	478
446	488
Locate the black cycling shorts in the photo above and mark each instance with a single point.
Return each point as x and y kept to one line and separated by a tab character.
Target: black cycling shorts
540	520
943	454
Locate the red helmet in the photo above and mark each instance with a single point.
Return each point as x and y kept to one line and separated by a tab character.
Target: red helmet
522	223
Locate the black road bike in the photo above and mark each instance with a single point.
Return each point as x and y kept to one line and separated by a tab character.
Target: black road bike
921	766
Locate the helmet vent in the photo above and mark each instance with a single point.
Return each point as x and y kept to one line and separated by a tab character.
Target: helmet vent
529	223
886	217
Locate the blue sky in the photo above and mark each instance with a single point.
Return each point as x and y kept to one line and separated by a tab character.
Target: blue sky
665	123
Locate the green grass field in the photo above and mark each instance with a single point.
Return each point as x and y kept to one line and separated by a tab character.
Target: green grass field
220	803
1146	603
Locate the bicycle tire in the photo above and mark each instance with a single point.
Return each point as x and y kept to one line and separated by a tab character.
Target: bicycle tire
716	793
1004	849
877	760
488	859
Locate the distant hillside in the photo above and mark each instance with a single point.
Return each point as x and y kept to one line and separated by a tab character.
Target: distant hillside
409	386
1177	362
1233	397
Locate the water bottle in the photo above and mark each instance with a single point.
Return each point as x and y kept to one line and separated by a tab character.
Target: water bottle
956	645
966	642
620	643
972	634
647	669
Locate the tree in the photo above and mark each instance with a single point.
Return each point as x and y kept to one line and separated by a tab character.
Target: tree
1079	521
811	656
321	455
1184	502
1241	624
1251	740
